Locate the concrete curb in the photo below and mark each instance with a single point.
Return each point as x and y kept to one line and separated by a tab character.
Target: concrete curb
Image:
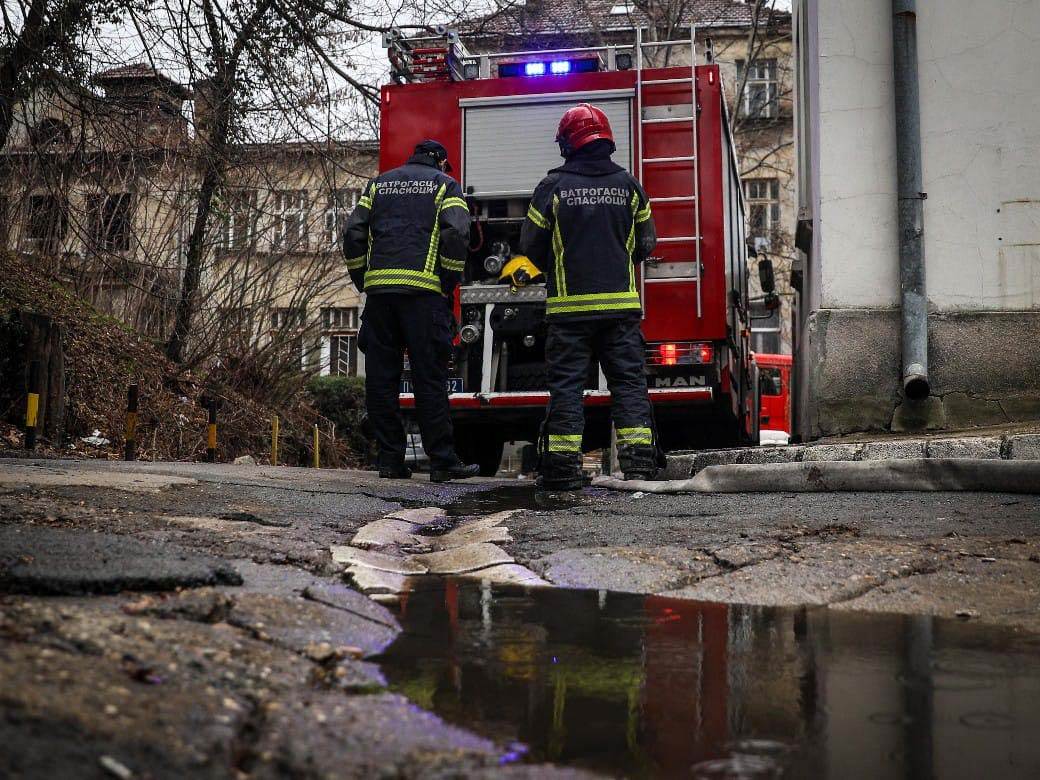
1024	446
912	474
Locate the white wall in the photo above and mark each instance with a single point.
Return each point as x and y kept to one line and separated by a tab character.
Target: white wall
979	65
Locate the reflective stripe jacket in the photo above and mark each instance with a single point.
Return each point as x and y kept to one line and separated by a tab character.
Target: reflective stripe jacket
588	225
409	232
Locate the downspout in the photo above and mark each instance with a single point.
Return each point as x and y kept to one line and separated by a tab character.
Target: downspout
914	300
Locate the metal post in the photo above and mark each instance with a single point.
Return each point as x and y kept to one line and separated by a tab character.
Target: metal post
317	447
914	299
130	434
211	431
274	440
32	405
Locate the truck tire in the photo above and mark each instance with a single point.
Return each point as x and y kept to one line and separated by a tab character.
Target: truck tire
480	449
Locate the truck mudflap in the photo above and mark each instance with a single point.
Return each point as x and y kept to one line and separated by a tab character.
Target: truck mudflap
658	397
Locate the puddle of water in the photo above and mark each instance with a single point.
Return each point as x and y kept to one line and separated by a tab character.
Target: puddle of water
521	496
653	687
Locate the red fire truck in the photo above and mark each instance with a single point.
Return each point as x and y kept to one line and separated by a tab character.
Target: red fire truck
497	115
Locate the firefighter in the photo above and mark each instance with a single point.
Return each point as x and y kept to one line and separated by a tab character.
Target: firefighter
406	245
589	224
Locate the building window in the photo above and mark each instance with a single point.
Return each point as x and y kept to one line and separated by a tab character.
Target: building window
290	220
238	227
47	222
621	9
339	340
765	329
761	90
339	318
50	131
770	382
108	222
337	209
763	209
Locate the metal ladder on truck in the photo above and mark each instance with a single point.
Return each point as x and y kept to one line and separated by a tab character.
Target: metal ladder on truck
650	167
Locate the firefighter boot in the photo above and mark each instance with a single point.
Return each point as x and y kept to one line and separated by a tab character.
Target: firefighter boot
457	470
638	461
560	471
395	472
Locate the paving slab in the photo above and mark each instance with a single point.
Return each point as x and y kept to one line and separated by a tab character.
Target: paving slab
469	534
369	559
509	574
625	569
1025	446
894	449
988	447
38	559
467	558
419	515
832	452
53	476
375	581
385	532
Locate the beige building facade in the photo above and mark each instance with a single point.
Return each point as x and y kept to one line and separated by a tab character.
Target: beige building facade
101	188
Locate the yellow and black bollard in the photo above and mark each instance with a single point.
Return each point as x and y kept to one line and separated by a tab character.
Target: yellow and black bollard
274	440
32	405
130	435
317	447
211	431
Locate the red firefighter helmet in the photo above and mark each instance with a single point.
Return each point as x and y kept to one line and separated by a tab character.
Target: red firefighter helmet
582	125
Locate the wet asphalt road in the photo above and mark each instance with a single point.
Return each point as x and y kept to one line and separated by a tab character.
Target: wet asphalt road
277	666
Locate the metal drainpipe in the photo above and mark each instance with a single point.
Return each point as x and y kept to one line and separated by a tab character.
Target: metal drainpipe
911	201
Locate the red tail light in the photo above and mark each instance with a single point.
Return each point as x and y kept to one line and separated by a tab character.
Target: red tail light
680	354
669	354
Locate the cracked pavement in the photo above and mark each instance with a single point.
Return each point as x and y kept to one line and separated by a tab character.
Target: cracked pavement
176	620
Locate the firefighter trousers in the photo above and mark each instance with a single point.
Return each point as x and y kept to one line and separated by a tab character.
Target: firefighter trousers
570	348
392	323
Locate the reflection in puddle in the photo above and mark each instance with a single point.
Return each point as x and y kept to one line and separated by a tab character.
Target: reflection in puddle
520	496
648	686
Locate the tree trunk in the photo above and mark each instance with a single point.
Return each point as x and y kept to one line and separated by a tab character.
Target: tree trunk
213	145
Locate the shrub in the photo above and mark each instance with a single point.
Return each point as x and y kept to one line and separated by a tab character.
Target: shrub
342	400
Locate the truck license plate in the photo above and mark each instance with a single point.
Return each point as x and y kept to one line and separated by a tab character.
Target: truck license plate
454	385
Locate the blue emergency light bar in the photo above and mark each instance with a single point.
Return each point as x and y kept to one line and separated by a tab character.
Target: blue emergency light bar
553	67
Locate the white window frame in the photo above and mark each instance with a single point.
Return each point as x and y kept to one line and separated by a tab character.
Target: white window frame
239	221
338	207
770	201
764	75
290	209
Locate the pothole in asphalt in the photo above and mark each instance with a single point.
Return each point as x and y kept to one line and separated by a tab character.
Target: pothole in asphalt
522	496
645	686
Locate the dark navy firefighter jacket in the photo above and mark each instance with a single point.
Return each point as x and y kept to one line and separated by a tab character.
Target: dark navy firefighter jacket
409	232
588	226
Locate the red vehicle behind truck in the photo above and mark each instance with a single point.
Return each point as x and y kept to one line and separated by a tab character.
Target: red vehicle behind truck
497	116
774	383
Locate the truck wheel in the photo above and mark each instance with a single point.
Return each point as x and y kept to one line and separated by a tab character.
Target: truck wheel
485	452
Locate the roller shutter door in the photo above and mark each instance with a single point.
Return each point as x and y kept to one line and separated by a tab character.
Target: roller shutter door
510	146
